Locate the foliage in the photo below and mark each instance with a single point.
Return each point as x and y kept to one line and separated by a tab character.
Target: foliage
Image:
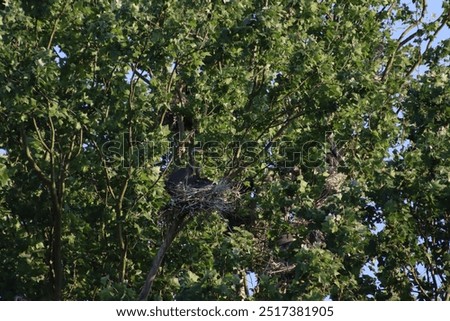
313	108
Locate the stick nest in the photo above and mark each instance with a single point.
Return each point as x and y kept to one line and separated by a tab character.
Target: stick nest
221	197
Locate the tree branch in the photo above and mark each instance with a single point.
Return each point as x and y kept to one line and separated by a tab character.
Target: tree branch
41	140
401	42
175	227
443	23
52	35
30	158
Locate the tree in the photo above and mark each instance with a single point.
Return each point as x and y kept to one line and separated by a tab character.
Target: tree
311	114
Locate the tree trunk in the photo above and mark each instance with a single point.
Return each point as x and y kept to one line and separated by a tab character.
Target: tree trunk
57	194
56	254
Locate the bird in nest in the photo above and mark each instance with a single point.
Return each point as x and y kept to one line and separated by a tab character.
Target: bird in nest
185	177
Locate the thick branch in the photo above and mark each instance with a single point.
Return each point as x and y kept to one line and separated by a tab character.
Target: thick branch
175	227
